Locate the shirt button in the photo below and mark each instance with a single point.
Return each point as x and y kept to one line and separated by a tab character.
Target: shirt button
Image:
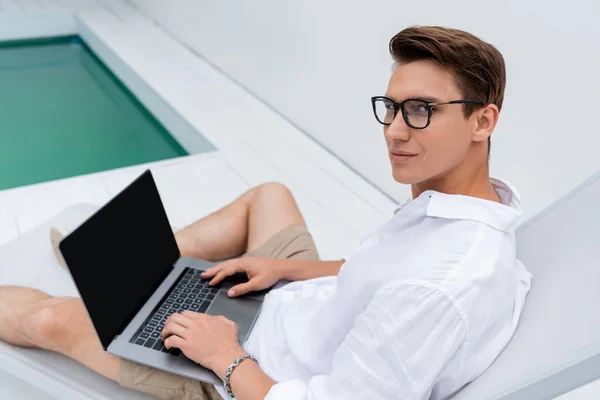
407	201
380	237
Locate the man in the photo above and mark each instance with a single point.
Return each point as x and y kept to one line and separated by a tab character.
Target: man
422	307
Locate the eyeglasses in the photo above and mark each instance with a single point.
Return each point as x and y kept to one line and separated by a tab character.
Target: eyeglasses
416	112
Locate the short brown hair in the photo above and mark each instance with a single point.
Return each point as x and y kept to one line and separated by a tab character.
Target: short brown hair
478	66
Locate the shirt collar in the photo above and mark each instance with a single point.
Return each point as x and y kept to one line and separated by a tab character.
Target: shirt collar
504	217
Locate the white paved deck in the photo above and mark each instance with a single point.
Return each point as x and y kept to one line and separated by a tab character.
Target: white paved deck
254	145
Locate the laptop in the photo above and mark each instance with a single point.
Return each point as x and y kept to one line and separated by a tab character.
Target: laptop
127	268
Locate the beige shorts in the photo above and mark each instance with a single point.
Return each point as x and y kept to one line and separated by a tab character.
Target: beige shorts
294	242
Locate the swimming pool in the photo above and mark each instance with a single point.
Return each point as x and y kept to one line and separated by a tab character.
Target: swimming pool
63	114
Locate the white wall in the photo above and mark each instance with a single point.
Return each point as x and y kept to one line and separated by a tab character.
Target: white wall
318	62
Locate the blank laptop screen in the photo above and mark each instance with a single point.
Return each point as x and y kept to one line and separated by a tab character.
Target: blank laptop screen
120	255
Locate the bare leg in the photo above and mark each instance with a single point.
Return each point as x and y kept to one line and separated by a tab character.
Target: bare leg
31	318
243	225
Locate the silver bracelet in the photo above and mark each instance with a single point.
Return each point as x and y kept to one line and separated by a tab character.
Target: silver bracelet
234	364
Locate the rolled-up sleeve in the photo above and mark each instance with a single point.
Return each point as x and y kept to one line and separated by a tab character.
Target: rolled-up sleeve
396	350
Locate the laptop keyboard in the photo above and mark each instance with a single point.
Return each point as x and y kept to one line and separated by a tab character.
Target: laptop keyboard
189	293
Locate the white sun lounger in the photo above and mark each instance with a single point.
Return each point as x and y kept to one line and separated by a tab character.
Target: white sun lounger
556	347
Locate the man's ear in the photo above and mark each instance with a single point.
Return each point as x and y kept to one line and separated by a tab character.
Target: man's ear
485	122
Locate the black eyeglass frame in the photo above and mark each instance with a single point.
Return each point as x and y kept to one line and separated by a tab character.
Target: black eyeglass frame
428	104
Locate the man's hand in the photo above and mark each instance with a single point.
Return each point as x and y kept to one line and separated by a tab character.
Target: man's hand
262	273
211	341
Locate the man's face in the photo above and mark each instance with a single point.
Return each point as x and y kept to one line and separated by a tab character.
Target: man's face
443	145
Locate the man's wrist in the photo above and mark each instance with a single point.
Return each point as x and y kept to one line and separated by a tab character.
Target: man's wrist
285	270
222	361
297	270
233	367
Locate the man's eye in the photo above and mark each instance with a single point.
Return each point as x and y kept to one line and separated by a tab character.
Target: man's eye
418	108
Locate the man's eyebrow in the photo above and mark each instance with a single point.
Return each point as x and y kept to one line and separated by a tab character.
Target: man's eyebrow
431	99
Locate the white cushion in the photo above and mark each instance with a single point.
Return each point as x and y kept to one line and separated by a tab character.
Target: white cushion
557	344
29	261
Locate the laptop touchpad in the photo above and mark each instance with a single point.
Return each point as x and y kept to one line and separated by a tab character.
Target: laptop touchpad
241	310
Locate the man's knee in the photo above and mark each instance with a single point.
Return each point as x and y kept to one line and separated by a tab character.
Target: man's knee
272	191
45	323
54	322
266	191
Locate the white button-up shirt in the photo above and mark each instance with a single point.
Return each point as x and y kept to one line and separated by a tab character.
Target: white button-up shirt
423	306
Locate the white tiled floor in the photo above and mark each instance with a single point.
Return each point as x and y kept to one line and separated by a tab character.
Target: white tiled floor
190	187
42	6
8	223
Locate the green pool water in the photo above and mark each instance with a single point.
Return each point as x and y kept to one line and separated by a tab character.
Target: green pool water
63	113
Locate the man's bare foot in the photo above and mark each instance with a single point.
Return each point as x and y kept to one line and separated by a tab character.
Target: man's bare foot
56	235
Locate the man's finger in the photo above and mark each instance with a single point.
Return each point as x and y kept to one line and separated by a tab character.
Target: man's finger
217	278
180	319
228	268
174	341
212	271
241	289
172	328
192	315
195	317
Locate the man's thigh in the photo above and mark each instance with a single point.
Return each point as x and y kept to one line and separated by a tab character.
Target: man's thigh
292	242
164	385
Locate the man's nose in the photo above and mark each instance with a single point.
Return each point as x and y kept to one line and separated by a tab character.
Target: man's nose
397	130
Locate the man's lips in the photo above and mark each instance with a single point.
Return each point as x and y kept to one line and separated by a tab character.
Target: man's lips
401	157
402	153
